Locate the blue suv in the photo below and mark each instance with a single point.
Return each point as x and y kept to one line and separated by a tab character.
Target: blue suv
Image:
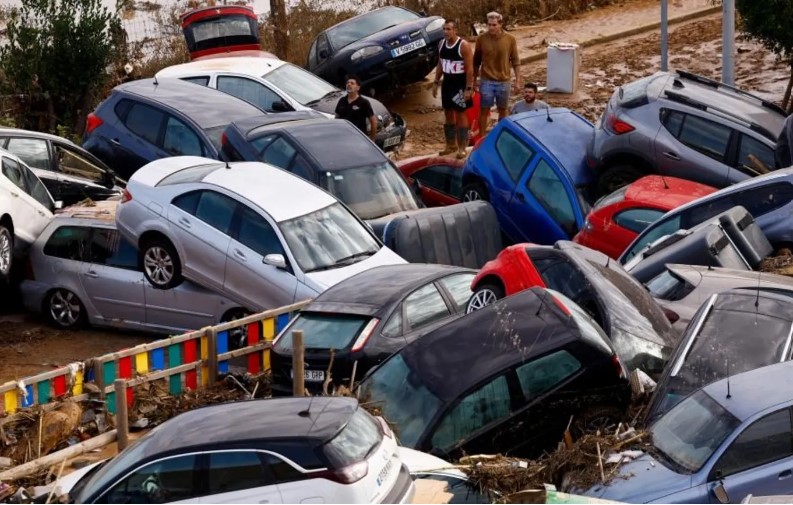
531	167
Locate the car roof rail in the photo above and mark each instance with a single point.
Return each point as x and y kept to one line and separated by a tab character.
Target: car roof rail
726	113
717	84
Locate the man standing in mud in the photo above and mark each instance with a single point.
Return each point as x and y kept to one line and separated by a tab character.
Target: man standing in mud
455	75
529	102
495	54
357	109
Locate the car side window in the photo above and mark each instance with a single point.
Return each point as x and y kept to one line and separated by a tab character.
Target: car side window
459	287
560	275
236	470
707	137
144	121
202	80
255	93
13	172
424	306
762	200
393	328
108	248
672	121
488	404
180	139
279	153
71	163
36	188
214	209
255	232
542	374
636	220
438	177
548	188
68	242
753	148
34	152
301	168
767	439
671	225
163	481
515	155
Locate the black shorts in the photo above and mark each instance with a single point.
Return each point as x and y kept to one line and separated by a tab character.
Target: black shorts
453	97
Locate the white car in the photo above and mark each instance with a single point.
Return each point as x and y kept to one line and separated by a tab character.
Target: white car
26	207
255	233
439	481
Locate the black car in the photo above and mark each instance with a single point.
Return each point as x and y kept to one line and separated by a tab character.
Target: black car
148	119
367	318
385	48
502	380
70	173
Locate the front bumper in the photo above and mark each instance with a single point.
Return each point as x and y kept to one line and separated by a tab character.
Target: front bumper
393	135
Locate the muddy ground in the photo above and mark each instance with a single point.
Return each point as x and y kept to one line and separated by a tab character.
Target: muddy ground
28	345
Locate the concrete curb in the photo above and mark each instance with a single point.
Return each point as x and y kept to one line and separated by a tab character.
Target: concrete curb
630	32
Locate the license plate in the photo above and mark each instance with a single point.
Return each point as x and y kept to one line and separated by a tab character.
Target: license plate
399	51
392	141
312	375
384	472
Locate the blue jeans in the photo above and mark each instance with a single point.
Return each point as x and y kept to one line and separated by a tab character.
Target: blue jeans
494	91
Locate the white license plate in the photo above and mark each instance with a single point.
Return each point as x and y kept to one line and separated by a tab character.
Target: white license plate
399	51
312	375
392	141
384	472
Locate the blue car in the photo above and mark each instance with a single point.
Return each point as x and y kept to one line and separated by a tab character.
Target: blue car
531	167
385	48
727	440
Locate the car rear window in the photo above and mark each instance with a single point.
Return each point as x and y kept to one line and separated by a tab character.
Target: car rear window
612	198
324	330
668	286
355	442
189	174
634	94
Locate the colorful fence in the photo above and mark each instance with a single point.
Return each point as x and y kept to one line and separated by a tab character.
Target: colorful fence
186	361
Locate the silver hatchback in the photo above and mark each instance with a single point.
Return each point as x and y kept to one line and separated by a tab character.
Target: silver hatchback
82	271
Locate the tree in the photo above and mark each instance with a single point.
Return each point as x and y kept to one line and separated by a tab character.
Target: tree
768	22
58	57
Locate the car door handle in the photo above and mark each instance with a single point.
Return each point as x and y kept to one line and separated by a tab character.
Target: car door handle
239	254
14	194
92	274
786	474
40	213
184	222
671	156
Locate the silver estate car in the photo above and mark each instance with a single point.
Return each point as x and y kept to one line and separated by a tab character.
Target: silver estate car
82	271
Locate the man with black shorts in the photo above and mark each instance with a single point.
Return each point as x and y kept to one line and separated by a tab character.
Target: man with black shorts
456	72
357	109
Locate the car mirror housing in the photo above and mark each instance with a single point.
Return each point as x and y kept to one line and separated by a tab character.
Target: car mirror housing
275	260
721	493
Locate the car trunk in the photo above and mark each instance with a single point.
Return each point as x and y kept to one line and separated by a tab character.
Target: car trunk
220	29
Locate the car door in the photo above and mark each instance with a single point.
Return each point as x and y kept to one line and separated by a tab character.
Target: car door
36	154
80	177
201	222
754	157
279	151
22	209
112	280
758	461
67	249
239	476
35	199
137	139
247	275
440	185
321	65
253	92
173	479
514	157
179	139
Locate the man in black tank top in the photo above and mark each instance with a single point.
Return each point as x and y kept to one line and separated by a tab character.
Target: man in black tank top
456	70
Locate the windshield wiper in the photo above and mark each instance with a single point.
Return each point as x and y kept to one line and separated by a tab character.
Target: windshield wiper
341	261
326	95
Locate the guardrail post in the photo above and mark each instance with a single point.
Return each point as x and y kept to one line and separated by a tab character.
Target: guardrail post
122	418
212	354
298	368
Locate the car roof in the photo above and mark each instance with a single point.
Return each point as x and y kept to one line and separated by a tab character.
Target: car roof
479	345
567	140
773	302
696	274
365	14
245	65
39	135
207	107
372	290
665	192
754	391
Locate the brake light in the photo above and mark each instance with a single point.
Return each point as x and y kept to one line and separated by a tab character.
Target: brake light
618	126
561	306
365	334
671	315
92	122
347	475
126	196
621	373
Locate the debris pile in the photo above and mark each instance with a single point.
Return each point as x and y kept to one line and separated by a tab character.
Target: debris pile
781	264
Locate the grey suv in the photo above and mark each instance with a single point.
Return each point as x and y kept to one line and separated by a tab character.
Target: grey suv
687	126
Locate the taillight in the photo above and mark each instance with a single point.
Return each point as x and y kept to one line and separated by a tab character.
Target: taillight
126	196
671	315
385	430
92	122
365	334
621	373
617	126
347	475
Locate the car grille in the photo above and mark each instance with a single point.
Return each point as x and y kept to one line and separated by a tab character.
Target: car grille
404	39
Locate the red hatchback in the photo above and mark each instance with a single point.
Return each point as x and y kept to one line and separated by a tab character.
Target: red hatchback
617	219
440	178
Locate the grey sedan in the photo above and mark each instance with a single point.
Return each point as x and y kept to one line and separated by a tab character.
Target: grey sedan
84	272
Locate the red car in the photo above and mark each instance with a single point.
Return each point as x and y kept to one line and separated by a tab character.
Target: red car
617	219
440	178
222	30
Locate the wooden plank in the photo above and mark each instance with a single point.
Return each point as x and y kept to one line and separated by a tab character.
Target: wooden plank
43	391
244	351
8	386
261	315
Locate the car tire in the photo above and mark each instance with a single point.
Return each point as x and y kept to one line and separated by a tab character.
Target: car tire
65	310
604	419
484	295
475	191
616	177
237	336
6	252
161	264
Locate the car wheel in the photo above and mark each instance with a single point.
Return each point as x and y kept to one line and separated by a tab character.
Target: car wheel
603	419
618	176
6	252
161	264
237	336
474	192
484	295
65	310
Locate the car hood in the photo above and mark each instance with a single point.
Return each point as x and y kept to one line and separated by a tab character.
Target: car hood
383	37
328	105
322	280
641	481
65	484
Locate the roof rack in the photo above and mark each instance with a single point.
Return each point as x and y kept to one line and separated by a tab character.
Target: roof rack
717	84
679	97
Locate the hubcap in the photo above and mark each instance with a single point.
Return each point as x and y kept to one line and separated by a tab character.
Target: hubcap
5	253
158	265
64	308
481	299
472	195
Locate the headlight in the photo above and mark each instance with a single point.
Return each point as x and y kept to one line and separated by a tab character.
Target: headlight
366	52
435	25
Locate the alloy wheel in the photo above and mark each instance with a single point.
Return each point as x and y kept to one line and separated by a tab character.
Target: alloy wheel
481	299
472	195
159	265
5	252
65	308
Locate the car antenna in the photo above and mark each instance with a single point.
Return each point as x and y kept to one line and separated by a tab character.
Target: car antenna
728	380
548	114
228	167
155	81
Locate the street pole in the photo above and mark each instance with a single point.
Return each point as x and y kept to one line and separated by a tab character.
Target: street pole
664	35
728	42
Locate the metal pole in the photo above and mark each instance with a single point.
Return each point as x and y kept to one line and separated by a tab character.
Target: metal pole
728	42
298	368
664	35
122	419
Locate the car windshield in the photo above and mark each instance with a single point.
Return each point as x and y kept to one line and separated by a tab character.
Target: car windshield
301	85
669	286
655	231
404	400
328	238
323	330
615	197
691	432
346	33
370	191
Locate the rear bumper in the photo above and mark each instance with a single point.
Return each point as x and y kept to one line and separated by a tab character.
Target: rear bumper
397	129
404	489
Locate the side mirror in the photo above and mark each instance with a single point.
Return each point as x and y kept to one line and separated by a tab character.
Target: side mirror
721	493
281	106
275	260
58	204
323	53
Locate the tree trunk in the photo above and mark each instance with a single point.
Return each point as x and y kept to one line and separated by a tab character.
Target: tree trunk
281	27
786	99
